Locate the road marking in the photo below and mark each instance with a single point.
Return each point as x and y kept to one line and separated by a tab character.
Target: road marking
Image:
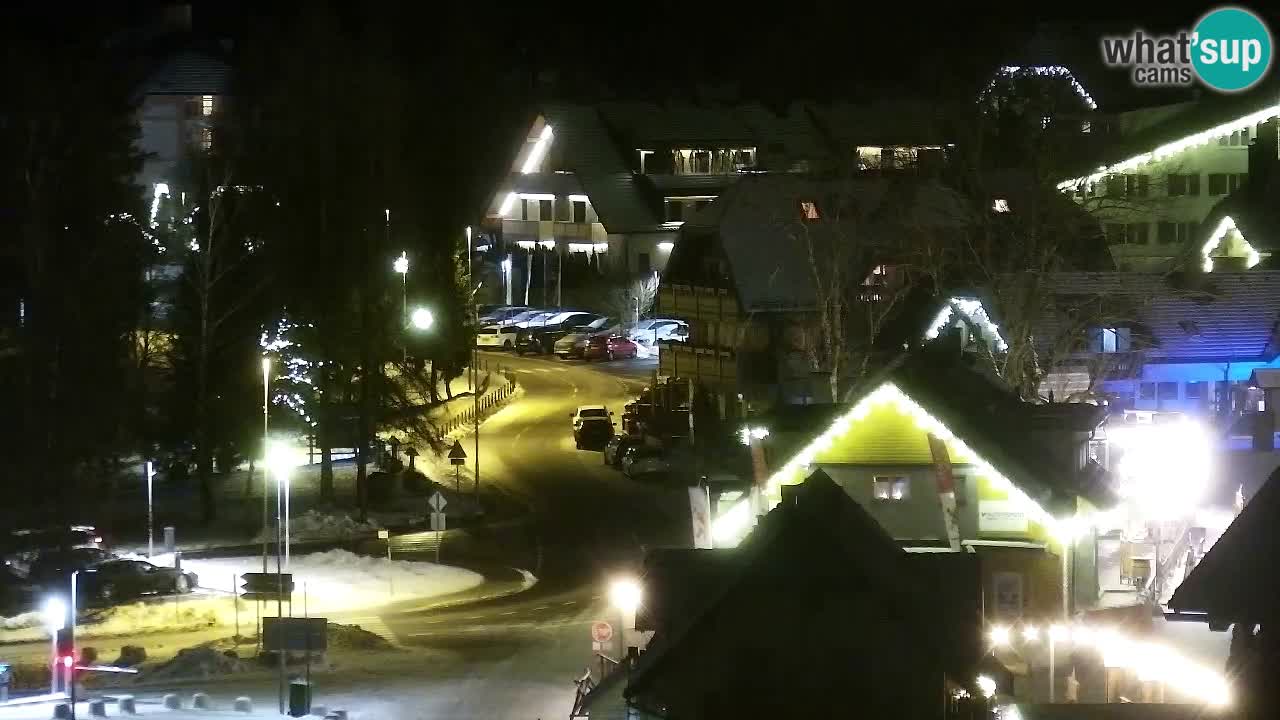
513	612
571	602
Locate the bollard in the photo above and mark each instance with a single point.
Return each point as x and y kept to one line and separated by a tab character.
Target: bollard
320	710
62	711
201	701
126	705
98	708
243	704
170	702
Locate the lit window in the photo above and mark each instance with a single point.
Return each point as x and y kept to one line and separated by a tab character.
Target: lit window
891	489
206	105
1108	339
206	139
809	210
1000	205
869	157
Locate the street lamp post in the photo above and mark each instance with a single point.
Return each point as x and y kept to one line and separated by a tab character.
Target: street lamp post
151	545
506	277
55	619
401	265
279	463
625	594
266	402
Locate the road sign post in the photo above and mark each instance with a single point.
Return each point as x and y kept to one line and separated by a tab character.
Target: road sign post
386	535
438	503
457	458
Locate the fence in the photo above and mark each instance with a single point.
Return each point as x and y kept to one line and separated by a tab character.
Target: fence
488	403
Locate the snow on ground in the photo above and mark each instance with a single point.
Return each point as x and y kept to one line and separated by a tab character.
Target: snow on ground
338	580
265	708
27	619
319	525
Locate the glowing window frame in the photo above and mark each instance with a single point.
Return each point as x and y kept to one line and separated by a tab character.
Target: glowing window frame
1060	71
974	310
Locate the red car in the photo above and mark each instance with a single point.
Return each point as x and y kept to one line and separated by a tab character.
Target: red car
614	346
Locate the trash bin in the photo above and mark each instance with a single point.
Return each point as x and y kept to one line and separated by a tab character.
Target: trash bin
299	698
5	679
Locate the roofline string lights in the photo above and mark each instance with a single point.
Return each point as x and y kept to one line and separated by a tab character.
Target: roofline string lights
735	522
1175	147
973	309
1227	224
1043	71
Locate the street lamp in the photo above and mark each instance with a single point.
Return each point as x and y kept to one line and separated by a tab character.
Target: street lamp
55	619
401	265
266	403
422	319
279	462
506	277
999	636
625	594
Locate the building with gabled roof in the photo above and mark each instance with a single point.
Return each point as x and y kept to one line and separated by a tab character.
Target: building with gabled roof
817	598
1186	343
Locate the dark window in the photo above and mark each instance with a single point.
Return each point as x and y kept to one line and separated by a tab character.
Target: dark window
1116	233
701	204
1244	136
1115	185
526	209
579	211
675	210
1235	180
1144	185
546	209
643	261
1177	184
1195	390
1193	184
1217	183
1146	391
1167	391
962	490
1137	233
1167	233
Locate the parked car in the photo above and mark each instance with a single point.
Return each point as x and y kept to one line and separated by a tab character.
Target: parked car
609	347
573	344
589	411
20	548
117	580
593	433
617	445
54	567
541	340
657	329
640	461
501	314
497	336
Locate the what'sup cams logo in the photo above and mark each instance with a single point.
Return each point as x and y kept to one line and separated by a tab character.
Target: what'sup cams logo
1228	50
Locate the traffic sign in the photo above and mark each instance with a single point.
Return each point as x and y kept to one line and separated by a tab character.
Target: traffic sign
437	522
601	632
267	586
437	502
295	634
384	534
457	456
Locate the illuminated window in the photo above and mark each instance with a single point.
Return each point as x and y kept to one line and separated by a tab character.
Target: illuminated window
890	489
206	105
206	138
809	210
869	157
1000	205
1110	340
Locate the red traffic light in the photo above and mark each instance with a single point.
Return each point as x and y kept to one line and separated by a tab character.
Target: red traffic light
67	660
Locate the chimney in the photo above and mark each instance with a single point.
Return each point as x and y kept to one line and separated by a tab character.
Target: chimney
1264	154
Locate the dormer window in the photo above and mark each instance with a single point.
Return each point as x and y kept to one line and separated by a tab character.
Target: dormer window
1000	205
809	210
1110	340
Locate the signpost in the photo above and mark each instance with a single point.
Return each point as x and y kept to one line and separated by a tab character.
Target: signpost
457	458
386	535
601	635
267	586
437	503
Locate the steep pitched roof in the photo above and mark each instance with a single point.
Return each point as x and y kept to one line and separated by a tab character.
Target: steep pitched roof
1187	126
1220	316
189	72
768	245
1238	580
857	543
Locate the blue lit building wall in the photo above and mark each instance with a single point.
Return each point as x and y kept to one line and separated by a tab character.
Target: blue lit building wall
1190	387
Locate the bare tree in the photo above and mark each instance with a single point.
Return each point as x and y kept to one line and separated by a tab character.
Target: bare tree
635	300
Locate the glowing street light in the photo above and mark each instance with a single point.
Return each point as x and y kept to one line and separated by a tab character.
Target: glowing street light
401	264
422	319
1030	633
625	594
999	636
987	686
279	462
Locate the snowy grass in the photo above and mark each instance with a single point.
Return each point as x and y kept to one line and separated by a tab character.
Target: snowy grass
338	580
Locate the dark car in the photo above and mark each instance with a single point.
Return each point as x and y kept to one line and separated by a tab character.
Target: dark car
541	339
116	580
617	445
54	567
609	347
593	433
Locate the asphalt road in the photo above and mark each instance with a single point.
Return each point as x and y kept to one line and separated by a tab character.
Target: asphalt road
588	524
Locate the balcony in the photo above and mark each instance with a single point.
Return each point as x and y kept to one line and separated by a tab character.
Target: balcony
543	230
711	366
686	301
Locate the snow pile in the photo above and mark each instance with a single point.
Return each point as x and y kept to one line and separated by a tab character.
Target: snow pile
317	525
173	613
338	580
201	662
24	620
644	351
354	637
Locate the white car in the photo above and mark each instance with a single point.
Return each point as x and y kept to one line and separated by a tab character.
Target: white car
589	411
499	337
657	329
